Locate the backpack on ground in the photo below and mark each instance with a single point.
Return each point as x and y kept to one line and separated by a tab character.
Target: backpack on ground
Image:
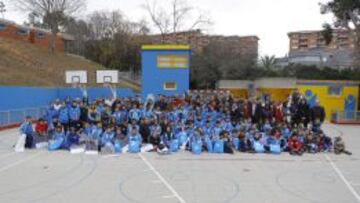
196	148
20	144
219	146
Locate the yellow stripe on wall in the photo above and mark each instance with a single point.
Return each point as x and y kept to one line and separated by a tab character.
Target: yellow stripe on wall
165	47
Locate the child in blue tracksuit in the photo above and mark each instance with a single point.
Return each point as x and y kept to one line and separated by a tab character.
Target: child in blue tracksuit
134	137
267	126
182	136
26	129
132	125
120	116
108	136
285	132
134	113
50	114
93	115
100	107
64	117
58	135
215	134
271	140
167	137
74	115
93	133
72	138
207	129
195	138
227	125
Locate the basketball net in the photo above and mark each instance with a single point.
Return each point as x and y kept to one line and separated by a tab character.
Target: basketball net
82	87
112	89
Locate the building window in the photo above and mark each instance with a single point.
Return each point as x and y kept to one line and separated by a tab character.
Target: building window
170	86
40	35
335	90
3	26
22	31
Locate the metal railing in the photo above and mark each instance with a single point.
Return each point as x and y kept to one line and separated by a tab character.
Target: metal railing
10	117
345	116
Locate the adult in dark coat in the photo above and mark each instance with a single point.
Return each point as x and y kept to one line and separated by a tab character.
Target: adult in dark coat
267	112
236	113
161	103
145	130
317	115
247	110
257	113
303	113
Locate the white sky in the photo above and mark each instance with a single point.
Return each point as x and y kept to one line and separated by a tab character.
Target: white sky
270	20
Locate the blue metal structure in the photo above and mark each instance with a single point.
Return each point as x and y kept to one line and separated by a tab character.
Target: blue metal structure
165	69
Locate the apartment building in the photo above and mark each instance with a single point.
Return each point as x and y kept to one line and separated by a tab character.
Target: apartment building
247	45
310	48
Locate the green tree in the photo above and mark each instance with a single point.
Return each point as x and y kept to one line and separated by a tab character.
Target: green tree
220	60
347	15
327	33
268	62
114	41
81	31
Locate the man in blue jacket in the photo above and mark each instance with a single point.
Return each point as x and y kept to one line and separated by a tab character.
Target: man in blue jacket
26	128
74	115
64	117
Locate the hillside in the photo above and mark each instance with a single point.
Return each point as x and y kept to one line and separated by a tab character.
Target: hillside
23	64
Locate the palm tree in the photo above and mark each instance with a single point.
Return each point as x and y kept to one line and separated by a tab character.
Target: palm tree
268	62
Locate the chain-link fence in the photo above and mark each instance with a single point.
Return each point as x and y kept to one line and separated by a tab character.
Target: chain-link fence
345	116
18	115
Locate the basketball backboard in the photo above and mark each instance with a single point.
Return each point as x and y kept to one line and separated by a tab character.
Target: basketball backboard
79	77
107	76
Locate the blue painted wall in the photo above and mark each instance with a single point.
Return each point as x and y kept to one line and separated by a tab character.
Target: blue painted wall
153	78
12	98
23	97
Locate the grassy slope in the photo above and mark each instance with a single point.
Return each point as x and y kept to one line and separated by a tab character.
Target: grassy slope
23	64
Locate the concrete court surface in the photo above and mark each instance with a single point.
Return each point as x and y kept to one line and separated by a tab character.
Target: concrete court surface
41	176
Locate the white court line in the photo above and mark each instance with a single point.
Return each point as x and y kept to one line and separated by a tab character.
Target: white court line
335	130
2	169
168	197
162	179
342	177
338	171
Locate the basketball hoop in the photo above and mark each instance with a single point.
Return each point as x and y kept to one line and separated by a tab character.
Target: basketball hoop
77	79
109	78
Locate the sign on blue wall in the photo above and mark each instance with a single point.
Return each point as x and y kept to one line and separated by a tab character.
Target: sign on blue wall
165	69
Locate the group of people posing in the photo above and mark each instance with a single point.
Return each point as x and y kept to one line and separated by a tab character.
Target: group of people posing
197	122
